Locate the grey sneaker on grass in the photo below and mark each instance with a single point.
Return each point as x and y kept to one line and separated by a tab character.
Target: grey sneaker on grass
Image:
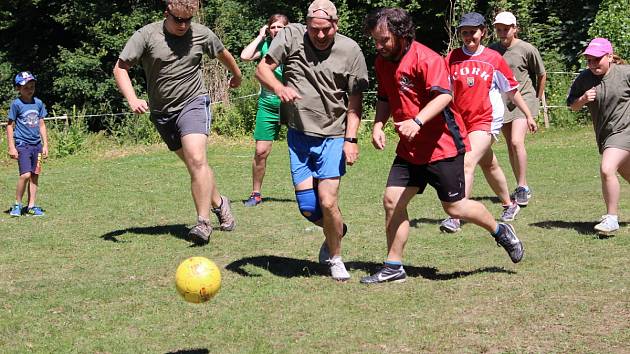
512	245
224	214
521	195
338	269
450	225
200	233
386	274
510	211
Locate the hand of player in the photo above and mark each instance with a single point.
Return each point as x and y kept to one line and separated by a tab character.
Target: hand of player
378	138
235	81
351	150
263	31
13	153
532	125
589	96
408	128
45	151
138	106
287	94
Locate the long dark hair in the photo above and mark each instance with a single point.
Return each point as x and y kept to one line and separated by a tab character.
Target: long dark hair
398	21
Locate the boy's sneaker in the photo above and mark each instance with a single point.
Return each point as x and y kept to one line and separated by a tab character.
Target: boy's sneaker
16	210
224	213
510	211
200	233
338	269
34	211
608	225
521	195
450	225
324	254
386	274
512	245
253	200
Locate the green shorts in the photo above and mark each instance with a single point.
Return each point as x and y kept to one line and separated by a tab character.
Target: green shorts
267	119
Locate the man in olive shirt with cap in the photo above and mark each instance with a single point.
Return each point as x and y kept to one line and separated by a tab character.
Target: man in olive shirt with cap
170	52
325	76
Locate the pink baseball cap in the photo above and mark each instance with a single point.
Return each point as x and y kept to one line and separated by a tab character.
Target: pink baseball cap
598	47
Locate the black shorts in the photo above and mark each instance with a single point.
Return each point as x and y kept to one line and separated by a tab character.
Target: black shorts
446	176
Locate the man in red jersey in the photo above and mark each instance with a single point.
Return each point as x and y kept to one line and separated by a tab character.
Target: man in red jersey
413	87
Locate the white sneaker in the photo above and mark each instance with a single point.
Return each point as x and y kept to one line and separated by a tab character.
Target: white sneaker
608	225
338	269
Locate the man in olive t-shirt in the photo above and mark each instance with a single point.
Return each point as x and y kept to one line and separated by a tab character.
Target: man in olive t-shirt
325	75
170	52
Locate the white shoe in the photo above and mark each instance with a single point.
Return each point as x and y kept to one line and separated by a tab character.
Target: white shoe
338	269
608	225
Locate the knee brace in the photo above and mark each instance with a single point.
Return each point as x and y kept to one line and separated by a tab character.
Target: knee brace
308	203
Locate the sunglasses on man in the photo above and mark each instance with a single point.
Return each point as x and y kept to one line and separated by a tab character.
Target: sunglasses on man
179	20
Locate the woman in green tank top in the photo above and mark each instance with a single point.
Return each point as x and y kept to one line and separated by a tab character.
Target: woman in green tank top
268	113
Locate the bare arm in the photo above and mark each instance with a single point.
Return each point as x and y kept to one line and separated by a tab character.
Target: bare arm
11	141
44	134
123	81
540	90
588	96
353	120
518	100
409	127
226	58
264	74
380	119
250	53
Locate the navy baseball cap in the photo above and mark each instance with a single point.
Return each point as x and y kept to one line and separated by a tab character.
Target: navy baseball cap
472	19
23	78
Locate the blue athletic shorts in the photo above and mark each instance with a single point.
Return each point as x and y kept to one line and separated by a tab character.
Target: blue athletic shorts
314	156
27	157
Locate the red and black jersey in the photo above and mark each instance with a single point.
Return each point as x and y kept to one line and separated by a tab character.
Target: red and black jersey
407	86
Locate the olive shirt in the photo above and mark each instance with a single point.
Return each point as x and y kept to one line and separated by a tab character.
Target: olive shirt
611	109
324	78
527	65
172	64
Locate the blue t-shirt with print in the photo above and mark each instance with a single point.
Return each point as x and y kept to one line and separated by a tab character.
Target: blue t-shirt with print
26	117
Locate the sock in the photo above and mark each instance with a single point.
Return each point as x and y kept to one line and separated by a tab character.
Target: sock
498	231
393	264
614	217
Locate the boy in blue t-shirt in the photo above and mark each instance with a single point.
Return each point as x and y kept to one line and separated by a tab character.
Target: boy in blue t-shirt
28	141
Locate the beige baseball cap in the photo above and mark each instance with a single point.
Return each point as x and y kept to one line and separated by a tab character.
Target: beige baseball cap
505	18
322	9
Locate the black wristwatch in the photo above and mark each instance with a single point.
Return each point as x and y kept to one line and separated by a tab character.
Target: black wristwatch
418	121
351	140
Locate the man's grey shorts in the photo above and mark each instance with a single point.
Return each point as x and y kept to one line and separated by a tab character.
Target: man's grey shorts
194	118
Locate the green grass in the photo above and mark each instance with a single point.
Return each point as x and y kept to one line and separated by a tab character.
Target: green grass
96	273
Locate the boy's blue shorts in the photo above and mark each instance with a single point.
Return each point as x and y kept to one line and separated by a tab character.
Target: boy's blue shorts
314	156
27	157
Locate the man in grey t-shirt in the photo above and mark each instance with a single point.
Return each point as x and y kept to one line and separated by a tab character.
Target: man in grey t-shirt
170	52
325	75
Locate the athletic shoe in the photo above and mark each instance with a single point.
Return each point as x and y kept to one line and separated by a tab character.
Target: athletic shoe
253	200
521	195
510	211
16	210
386	274
450	225
324	254
608	225
338	269
34	211
508	240
224	213
200	233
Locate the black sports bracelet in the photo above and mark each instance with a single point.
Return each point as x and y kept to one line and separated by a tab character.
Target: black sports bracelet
351	140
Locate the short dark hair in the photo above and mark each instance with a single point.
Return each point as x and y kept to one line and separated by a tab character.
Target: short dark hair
398	22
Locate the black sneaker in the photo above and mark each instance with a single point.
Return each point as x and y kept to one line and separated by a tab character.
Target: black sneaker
386	274
508	240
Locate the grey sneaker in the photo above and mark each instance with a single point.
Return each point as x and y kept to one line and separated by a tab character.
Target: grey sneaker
450	225
608	225
386	274
224	214
324	254
510	211
200	233
521	196
338	269
512	245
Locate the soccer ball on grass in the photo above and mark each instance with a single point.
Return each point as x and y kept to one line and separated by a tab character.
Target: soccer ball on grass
197	279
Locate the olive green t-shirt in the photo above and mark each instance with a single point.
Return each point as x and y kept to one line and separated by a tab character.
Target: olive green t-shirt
172	64
611	109
324	78
527	65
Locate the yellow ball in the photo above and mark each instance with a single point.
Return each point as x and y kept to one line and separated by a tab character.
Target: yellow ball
197	279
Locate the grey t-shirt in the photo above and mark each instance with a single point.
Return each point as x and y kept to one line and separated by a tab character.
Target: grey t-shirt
172	64
324	78
611	109
527	65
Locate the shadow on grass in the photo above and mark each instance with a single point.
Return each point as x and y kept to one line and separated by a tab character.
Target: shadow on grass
581	227
272	199
190	351
291	267
419	221
178	230
494	199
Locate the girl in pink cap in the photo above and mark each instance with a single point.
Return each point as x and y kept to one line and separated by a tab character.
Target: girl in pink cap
605	90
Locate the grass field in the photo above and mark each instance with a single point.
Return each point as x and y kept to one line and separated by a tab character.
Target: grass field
96	274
